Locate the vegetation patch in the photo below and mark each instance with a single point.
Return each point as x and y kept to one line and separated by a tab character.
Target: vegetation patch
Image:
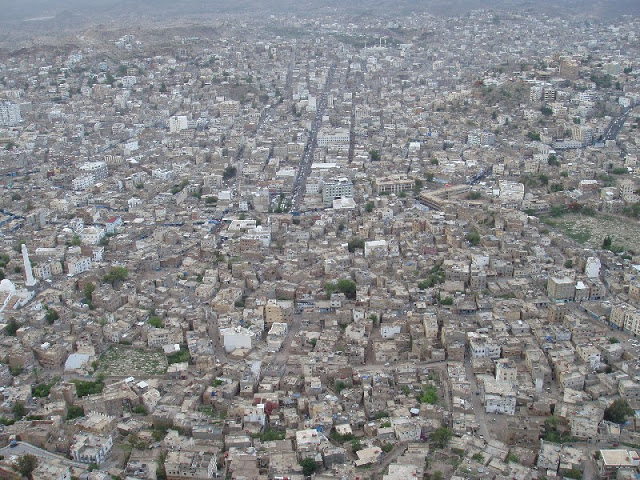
120	360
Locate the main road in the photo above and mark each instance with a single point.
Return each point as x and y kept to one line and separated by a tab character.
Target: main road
616	125
304	168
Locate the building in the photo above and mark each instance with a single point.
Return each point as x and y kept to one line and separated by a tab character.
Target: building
234	338
612	460
47	471
89	448
342	187
394	183
506	371
10	114
561	289
333	138
193	465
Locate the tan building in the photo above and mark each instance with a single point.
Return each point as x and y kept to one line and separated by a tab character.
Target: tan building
394	184
561	289
193	465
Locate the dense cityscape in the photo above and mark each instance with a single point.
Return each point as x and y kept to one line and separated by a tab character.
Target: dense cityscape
326	246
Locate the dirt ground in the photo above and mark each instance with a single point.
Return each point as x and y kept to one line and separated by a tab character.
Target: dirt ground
591	231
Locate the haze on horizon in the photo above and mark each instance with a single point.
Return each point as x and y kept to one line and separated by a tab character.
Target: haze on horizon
31	10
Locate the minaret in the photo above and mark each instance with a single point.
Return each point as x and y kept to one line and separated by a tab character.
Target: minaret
30	281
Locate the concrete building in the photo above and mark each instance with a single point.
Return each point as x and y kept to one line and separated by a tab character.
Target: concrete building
561	289
341	187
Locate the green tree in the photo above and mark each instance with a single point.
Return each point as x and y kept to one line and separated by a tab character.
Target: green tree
75	241
355	243
309	466
25	465
51	316
140	410
369	207
441	436
161	473
74	411
229	172
12	327
533	136
348	287
374	155
418	186
116	274
155	322
356	445
618	411
88	290
606	243
18	410
84	388
42	390
573	473
478	457
546	111
473	238
429	395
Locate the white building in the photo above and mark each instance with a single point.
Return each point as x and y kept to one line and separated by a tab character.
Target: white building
333	138
234	338
592	267
77	265
92	235
83	182
341	187
89	448
99	170
500	404
375	247
178	123
10	114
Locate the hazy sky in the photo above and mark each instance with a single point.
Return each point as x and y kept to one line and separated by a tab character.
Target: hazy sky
12	10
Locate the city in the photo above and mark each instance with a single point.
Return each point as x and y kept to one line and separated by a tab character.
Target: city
326	246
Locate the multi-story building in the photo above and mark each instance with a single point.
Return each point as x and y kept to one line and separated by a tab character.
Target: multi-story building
561	289
89	448
99	170
333	138
339	188
394	183
10	114
77	265
192	465
506	371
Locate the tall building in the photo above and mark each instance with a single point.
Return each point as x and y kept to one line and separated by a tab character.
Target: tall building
342	187
561	289
9	114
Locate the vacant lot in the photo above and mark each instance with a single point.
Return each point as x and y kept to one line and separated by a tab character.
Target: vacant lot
590	231
120	361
